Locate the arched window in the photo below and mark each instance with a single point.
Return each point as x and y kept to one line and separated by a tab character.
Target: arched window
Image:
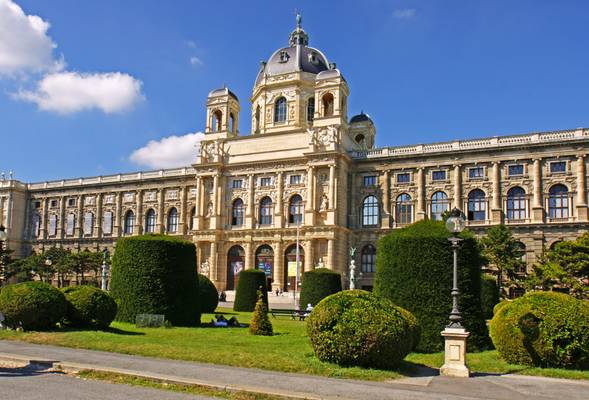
370	211
477	205
295	210
173	220
266	211
310	109
368	258
558	202
217	120
129	225
257	120
327	101
403	210
232	127
280	110
439	205
150	221
193	218
237	213
516	204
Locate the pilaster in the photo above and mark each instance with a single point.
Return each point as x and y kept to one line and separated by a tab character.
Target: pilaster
582	213
310	207
99	214
458	187
537	209
139	214
278	213
278	272
386	202
496	211
420	213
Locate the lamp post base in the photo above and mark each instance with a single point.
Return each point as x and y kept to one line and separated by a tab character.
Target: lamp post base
455	353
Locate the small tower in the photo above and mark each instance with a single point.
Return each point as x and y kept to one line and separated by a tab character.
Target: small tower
222	114
362	131
331	98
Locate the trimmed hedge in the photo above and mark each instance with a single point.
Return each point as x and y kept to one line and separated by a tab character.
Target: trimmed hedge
544	329
261	324
89	306
489	295
414	271
209	297
33	305
246	294
500	305
357	328
318	284
156	274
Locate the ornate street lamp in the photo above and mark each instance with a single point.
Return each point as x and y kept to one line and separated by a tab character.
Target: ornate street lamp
455	335
105	269
3	238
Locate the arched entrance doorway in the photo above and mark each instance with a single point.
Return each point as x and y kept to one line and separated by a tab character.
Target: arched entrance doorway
265	262
290	266
235	264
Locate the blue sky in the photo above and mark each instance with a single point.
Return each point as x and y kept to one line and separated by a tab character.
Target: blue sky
85	84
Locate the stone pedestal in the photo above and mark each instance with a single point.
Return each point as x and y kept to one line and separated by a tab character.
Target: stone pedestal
582	213
538	214
455	353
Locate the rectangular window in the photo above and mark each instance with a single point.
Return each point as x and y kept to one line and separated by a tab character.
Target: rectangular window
370	180
558	167
236	183
515	170
53	203
37	204
438	175
52	225
88	223
295	179
265	182
403	178
71	222
71	202
107	223
476	173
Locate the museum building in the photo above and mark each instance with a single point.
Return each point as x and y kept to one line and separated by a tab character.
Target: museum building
308	174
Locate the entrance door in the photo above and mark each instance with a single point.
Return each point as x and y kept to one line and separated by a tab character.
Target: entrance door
265	262
290	266
235	263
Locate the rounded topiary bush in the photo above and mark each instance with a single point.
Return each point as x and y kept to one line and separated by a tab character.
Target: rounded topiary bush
489	295
156	274
354	327
544	329
89	306
414	271
250	281
318	284
209	297
33	305
499	306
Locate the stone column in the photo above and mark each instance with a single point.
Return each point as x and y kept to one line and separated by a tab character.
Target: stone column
214	268
310	206
2	201
331	255
458	188
537	208
386	200
496	209
582	214
250	216
278	212
183	221
278	272
44	216
352	216
118	222
249	255
62	221
161	217
139	213
216	207
200	203
79	229
308	248
98	218
332	186
420	213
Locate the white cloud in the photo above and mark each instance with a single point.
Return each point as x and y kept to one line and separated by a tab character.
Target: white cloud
405	13
195	61
24	43
169	152
70	92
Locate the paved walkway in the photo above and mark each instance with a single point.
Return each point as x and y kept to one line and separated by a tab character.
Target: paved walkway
506	387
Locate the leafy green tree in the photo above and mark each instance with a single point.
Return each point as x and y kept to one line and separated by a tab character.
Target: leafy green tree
5	263
261	324
85	263
565	266
60	264
503	251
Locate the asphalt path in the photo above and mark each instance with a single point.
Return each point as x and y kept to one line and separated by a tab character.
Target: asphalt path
23	384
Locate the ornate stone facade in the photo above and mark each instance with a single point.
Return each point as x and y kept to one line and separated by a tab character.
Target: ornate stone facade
307	171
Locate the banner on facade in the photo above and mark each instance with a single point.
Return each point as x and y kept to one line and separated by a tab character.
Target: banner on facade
292	268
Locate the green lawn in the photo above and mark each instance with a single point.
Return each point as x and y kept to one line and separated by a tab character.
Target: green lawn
289	350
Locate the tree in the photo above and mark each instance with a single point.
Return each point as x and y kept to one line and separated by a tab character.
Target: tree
85	262
566	266
503	251
5	263
60	264
261	324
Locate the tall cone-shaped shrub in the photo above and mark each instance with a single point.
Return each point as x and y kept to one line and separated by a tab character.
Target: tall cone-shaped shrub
261	324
